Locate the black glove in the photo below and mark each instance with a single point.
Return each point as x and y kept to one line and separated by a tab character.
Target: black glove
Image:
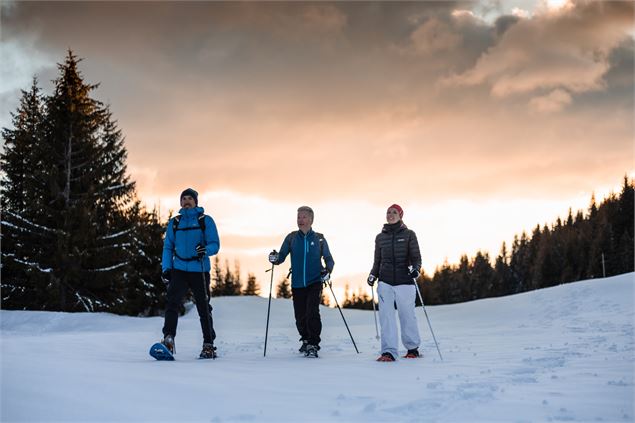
325	276
412	272
371	279
273	257
201	251
166	277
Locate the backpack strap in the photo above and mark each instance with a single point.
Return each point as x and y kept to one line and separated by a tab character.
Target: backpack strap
175	227
177	219
175	223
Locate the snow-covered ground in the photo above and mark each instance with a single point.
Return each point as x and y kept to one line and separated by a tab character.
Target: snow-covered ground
560	354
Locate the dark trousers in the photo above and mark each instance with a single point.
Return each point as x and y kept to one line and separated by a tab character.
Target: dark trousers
179	284
306	306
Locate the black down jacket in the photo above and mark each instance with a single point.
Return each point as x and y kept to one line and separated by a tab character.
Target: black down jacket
396	248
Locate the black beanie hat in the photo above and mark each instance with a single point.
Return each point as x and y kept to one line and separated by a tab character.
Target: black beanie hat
191	193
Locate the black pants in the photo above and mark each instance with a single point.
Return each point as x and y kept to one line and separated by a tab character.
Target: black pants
180	283
306	306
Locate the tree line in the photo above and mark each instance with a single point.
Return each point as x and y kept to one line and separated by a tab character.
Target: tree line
594	243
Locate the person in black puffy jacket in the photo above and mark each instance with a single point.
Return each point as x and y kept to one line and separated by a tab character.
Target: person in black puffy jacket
396	265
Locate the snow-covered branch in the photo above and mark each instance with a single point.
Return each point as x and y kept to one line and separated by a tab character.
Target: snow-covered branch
27	263
44	228
115	235
107	269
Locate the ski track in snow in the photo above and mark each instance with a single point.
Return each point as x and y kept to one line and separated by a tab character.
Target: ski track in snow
563	354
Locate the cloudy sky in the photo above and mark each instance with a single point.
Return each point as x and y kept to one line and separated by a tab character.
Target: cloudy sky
481	119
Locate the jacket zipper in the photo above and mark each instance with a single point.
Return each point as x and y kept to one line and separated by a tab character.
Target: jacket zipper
394	261
306	247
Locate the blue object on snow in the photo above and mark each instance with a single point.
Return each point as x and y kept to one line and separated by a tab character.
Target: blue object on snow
160	352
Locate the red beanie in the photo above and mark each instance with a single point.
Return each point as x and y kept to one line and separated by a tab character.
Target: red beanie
398	208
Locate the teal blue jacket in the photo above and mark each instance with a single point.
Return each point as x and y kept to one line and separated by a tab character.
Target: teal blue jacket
306	252
179	247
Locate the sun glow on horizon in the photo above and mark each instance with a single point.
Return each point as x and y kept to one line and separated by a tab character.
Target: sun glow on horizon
250	226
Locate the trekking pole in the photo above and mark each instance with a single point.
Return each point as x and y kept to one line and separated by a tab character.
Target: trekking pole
268	309
426	313
338	307
208	296
372	296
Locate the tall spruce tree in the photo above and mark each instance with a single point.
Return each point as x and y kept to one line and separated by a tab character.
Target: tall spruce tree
23	196
74	227
90	195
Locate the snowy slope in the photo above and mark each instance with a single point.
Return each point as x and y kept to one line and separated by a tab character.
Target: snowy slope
561	354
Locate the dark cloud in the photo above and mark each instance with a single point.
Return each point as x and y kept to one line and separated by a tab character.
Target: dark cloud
503	23
344	98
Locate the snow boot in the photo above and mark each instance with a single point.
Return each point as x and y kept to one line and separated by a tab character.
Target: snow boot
209	351
168	341
303	347
311	351
386	357
414	353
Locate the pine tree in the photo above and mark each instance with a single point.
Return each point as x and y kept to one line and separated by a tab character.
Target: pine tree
284	289
145	293
90	196
237	279
502	275
74	231
23	195
324	299
482	276
217	278
252	287
347	297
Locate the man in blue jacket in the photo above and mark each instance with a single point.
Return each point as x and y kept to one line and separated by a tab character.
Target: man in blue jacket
307	248
191	237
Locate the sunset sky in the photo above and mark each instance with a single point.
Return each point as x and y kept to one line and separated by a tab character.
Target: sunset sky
481	119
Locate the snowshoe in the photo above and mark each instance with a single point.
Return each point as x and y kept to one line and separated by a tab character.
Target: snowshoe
386	357
303	347
414	353
311	351
160	352
168	341
208	351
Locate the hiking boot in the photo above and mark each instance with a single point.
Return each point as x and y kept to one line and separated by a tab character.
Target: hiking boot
208	351
414	353
168	341
386	357
311	351
303	347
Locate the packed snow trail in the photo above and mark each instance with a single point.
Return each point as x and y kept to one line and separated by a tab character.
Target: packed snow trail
560	354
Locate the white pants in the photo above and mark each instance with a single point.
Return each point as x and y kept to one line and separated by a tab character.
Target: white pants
404	296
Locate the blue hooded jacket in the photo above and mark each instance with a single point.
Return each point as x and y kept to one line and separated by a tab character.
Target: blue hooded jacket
182	244
306	257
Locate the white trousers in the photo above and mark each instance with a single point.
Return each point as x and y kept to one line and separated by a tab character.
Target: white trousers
404	296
